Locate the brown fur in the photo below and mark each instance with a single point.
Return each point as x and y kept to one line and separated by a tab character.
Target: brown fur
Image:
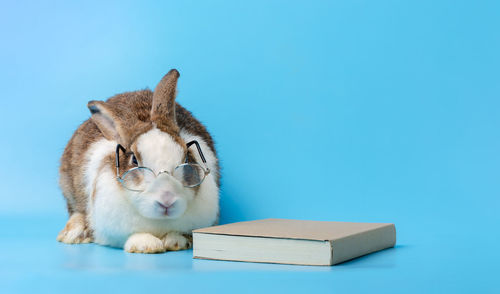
136	113
78	223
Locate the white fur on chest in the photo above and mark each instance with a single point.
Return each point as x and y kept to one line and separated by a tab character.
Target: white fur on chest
113	218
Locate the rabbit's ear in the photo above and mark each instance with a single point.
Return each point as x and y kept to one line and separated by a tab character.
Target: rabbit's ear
163	109
107	121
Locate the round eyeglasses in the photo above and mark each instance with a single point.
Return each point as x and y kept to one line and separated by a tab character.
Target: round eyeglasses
137	179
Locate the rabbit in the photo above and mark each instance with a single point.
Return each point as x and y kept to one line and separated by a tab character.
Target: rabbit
140	174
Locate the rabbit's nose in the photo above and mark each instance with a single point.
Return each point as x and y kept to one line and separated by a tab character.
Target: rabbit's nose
167	202
167	198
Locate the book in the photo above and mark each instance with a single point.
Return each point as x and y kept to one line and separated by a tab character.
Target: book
287	241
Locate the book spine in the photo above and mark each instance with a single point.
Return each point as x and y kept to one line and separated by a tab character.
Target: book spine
363	243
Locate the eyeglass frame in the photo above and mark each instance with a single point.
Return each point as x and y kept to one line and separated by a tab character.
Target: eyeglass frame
189	144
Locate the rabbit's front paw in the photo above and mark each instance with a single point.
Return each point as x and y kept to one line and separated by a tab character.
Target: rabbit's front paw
175	241
76	230
144	243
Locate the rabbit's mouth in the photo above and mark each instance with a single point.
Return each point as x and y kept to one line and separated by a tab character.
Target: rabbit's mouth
170	209
164	207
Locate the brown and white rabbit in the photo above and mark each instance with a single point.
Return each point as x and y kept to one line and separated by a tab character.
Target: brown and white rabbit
153	131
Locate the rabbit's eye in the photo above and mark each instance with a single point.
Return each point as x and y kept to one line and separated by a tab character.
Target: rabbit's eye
134	160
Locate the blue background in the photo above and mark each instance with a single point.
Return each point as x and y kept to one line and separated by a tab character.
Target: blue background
371	111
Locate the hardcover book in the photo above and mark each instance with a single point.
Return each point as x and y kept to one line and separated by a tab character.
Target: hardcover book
292	241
